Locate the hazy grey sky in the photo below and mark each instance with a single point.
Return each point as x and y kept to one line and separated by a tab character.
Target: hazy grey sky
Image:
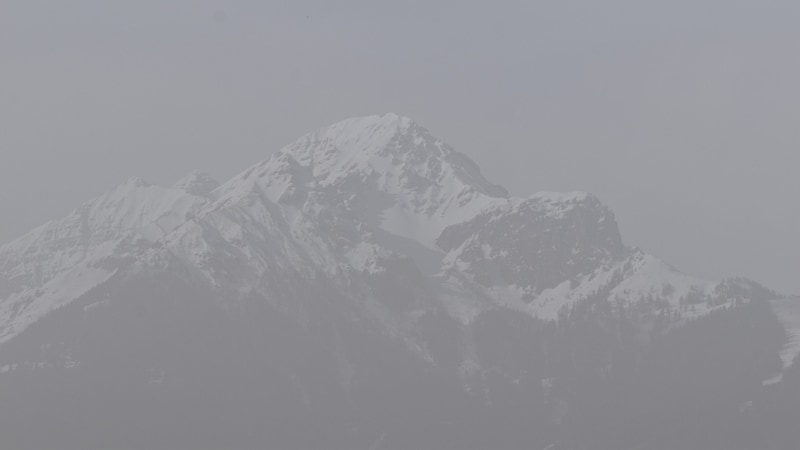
681	115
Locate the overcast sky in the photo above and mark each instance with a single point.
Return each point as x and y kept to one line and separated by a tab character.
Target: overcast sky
683	116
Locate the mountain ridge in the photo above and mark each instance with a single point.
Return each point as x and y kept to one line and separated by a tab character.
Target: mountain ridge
340	196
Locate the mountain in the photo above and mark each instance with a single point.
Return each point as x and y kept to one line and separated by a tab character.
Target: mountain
367	287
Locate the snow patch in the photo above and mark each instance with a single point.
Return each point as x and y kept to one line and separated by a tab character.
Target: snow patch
788	312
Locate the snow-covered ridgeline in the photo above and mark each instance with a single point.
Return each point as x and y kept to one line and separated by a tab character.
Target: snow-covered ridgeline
348	198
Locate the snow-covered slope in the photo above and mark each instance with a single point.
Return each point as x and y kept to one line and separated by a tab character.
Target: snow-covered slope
362	203
63	259
788	311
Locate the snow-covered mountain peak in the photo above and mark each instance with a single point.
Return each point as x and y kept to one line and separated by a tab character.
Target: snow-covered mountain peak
394	149
364	255
384	170
367	196
350	139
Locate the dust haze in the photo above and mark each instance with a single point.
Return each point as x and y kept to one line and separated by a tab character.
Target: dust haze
558	225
